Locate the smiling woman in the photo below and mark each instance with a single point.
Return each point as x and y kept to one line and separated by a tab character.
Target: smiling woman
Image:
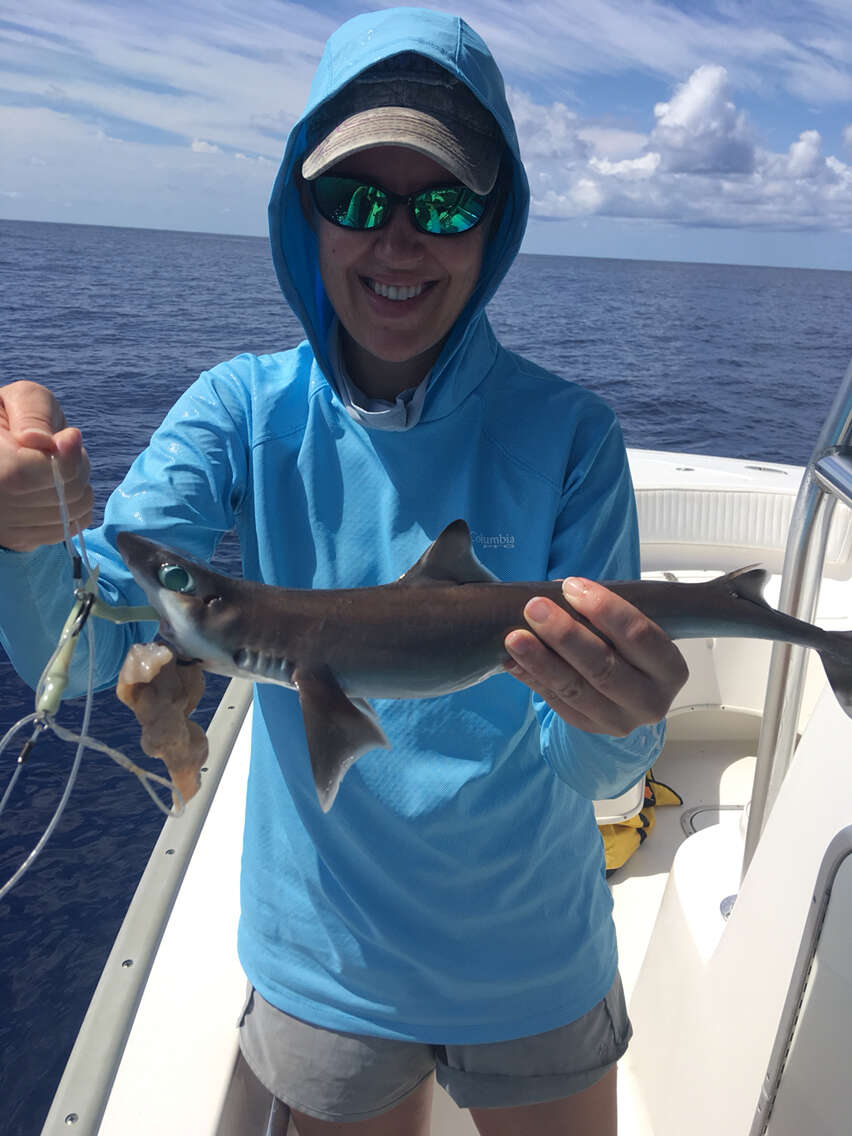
396	290
402	171
395	938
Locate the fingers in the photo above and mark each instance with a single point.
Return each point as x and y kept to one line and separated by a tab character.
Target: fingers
27	525
565	692
564	687
617	683
27	471
32	415
32	431
639	640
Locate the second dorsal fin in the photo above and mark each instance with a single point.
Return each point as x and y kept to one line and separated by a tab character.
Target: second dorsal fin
747	582
449	559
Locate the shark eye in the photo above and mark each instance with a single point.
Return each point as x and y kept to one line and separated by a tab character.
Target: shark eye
176	579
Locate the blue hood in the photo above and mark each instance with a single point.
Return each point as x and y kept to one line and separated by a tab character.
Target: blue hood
359	44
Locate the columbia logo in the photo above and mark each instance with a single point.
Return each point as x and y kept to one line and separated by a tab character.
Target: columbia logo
498	540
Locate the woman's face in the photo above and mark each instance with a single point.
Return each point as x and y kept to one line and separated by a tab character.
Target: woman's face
398	339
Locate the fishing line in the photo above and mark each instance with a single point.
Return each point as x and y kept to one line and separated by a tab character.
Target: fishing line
144	775
69	784
63	509
44	720
4	741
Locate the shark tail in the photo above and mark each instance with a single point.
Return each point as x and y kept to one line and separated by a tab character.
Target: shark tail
837	660
836	657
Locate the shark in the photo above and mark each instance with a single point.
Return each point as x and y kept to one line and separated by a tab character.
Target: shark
439	628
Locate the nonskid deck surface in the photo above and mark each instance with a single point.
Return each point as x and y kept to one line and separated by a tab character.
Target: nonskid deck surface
713	775
714	779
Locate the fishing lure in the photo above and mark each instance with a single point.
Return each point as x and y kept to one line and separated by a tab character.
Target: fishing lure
53	681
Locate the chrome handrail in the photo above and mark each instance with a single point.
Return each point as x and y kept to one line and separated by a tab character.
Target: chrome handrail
827	480
838	851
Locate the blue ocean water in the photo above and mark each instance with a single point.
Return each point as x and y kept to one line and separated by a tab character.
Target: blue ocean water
718	359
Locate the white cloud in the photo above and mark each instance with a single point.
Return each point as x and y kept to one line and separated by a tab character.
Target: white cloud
644	167
172	115
612	142
549	131
700	130
803	50
194	70
804	159
819	80
699	165
151	186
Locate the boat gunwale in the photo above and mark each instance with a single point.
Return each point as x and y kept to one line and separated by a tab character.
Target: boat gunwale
84	1089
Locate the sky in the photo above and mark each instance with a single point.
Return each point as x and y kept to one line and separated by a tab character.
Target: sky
697	130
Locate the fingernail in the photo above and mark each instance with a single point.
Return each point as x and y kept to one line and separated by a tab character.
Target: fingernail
572	587
537	610
517	645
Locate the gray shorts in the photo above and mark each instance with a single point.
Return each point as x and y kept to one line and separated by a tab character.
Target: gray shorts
347	1077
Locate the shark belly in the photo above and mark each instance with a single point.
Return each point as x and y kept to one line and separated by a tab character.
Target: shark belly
414	682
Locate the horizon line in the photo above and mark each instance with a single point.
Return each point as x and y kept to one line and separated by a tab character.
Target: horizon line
549	256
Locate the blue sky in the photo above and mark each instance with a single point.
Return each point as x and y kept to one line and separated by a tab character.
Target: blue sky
672	131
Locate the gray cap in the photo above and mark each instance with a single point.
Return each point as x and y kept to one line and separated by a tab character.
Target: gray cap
408	100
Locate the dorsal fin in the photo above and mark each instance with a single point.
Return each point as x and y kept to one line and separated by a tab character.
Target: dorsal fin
449	559
747	582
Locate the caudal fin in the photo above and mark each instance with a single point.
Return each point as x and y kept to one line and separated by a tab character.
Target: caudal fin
837	661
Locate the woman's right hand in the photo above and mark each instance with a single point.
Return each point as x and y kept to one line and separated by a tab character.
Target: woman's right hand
32	427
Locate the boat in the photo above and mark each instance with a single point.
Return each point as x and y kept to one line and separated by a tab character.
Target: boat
734	918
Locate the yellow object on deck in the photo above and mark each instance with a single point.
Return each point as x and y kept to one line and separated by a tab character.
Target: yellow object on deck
622	840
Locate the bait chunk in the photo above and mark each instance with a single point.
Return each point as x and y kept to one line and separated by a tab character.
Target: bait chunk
162	695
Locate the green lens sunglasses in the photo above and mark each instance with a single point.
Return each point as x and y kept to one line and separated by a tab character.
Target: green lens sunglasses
440	210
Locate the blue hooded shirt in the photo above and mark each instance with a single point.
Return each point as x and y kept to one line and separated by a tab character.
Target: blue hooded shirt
455	893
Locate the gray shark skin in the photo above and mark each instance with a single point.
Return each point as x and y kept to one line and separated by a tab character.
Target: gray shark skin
438	629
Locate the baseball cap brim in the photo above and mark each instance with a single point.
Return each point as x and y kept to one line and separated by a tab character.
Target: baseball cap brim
470	157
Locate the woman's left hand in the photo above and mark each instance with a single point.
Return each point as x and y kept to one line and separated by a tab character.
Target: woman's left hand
600	687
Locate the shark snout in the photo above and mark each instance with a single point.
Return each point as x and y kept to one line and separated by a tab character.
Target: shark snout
139	554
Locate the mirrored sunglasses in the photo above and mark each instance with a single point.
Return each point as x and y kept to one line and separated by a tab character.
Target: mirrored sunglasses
440	210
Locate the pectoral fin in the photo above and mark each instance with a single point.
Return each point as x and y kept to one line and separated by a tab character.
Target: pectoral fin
338	732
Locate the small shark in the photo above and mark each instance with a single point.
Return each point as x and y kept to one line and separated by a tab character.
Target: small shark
439	628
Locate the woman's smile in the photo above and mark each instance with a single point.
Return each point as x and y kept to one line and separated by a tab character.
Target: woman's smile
397	293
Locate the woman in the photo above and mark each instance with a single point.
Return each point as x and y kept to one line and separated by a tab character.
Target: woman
450	912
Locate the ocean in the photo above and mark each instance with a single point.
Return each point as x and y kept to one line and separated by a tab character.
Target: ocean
716	359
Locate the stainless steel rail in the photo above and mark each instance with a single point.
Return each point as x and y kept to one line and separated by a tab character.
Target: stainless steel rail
827	480
836	855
